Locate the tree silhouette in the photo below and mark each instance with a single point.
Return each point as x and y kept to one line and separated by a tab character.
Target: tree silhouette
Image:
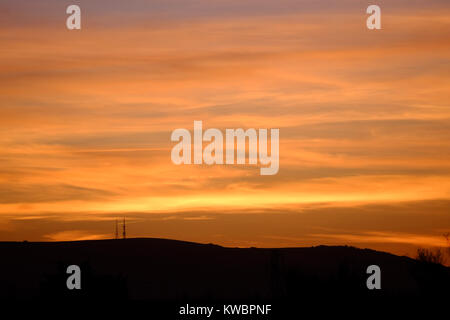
435	256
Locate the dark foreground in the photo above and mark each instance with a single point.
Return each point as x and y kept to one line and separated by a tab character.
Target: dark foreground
165	275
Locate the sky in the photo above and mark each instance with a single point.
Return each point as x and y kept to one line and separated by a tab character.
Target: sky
364	117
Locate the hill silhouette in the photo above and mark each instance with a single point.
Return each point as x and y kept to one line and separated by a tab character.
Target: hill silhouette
160	270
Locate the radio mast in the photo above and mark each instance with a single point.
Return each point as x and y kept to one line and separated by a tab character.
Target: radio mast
124	233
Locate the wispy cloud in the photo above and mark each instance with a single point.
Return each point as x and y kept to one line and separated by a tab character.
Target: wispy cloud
75	235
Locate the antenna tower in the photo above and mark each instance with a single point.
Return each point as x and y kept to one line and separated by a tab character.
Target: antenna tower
124	233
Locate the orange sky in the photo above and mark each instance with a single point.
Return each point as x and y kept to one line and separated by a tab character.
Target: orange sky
364	118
